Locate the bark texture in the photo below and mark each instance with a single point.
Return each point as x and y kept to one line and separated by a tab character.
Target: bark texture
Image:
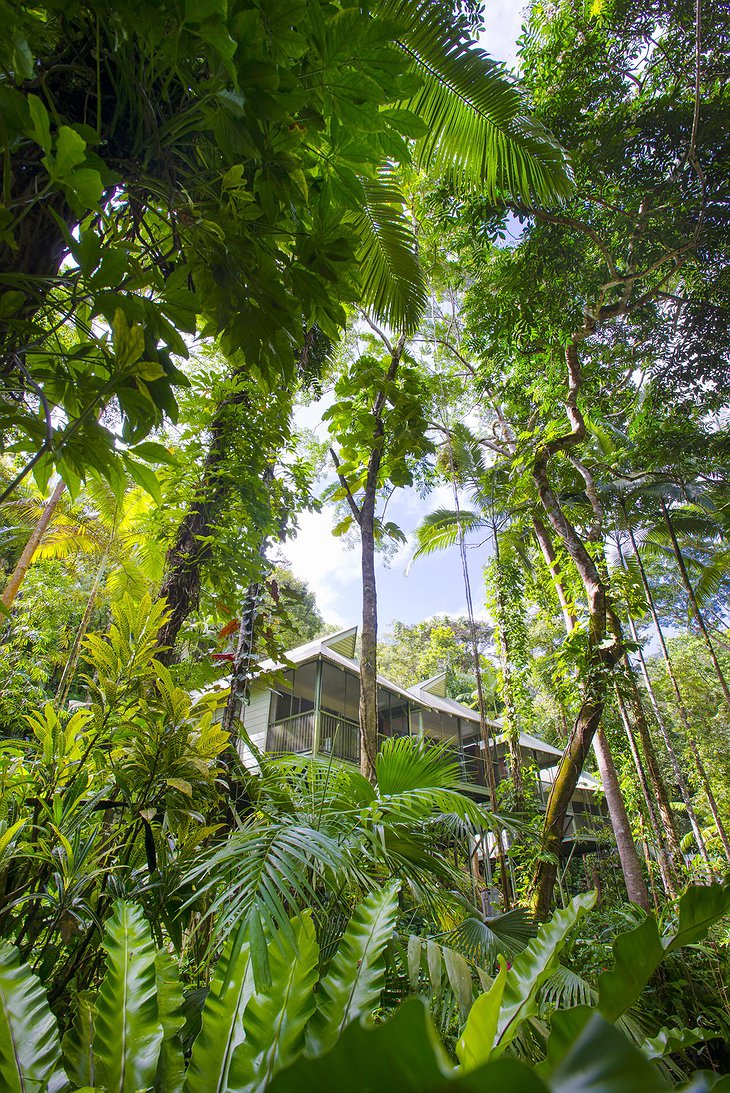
630	865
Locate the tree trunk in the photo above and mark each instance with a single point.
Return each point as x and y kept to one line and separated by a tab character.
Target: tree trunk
653	769
24	561
630	864
192	547
368	708
663	856
674	759
506	657
696	611
605	645
684	715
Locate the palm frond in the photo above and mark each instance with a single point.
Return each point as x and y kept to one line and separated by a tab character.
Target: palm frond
712	577
479	135
482	940
391	277
407	763
259	878
442	528
565	989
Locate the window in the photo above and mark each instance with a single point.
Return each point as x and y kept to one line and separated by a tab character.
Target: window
295	694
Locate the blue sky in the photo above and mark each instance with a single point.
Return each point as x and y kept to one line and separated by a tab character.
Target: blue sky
434	584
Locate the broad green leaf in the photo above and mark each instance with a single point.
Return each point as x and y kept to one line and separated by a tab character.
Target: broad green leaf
475	1044
171	1066
460	981
77	1043
70	152
533	966
221	1029
602	1060
669	1040
356	975
41	131
638	952
127	1028
30	1048
402	1055
276	1018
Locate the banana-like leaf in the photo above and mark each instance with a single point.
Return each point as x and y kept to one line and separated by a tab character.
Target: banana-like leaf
276	1018
356	975
475	1044
30	1048
638	952
533	966
221	1029
171	1066
78	1043
127	1028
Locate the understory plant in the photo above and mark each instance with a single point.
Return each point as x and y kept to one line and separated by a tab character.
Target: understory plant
310	1027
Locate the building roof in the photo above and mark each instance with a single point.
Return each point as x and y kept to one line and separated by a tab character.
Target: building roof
585	781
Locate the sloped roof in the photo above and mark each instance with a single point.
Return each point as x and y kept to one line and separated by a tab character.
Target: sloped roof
585	781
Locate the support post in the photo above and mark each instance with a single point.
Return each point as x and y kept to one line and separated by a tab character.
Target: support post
317	734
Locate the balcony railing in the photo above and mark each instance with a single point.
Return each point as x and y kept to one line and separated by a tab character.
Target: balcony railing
292	734
340	737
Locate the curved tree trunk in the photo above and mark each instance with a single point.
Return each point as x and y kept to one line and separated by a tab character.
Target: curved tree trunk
630	864
682	709
24	561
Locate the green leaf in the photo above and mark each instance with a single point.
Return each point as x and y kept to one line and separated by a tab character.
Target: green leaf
475	1045
86	185
70	152
77	1043
669	1040
638	952
30	1049
402	1055
276	1018
602	1060
128	340
533	966
41	123
221	1029
145	477
356	975
171	1066
127	1028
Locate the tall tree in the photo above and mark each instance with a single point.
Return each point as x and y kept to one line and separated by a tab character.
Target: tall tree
378	424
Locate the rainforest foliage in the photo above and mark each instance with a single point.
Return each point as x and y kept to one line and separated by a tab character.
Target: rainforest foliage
268	263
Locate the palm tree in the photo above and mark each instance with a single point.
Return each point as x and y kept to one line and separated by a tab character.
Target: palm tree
319	834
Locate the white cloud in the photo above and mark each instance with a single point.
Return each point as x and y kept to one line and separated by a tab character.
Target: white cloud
331	571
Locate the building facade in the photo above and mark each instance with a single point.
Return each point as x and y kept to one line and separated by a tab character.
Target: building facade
310	707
